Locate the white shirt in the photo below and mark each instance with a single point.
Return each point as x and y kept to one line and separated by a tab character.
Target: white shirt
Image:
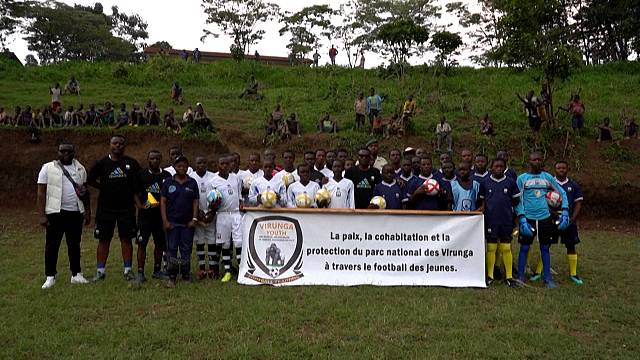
230	188
69	197
378	164
325	171
341	194
261	185
297	188
440	128
171	170
242	174
55	94
281	174
205	184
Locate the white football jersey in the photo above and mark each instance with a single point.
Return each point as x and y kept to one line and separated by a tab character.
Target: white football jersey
230	189
281	173
261	184
205	184
341	194
171	170
325	171
297	188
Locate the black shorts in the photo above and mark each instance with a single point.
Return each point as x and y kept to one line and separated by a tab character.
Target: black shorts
106	222
493	233
149	226
569	236
545	230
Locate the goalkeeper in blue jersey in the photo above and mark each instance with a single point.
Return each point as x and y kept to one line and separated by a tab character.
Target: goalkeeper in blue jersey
534	215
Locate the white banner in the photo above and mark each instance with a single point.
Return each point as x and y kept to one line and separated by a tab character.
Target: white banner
362	247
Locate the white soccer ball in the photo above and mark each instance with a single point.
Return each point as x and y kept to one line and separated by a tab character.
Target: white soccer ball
323	195
379	201
303	200
431	187
268	198
288	179
214	198
246	182
554	199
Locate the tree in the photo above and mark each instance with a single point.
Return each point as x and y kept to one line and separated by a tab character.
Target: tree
402	38
88	37
130	28
11	14
446	43
352	30
238	19
30	60
161	44
306	28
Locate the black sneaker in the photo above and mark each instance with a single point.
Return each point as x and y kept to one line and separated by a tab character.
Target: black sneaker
140	278
489	281
99	276
128	276
187	278
160	275
513	283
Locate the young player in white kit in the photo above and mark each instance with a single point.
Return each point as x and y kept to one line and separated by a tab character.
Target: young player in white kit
341	189
304	186
228	218
267	182
205	231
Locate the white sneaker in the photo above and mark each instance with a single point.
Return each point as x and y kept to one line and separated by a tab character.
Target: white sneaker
51	280
79	279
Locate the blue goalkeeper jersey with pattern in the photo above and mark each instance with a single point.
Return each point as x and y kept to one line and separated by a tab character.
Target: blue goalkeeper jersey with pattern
533	188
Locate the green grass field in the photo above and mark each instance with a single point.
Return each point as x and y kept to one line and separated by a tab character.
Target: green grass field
228	321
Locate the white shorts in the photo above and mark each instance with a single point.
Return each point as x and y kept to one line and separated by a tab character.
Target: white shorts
205	233
228	228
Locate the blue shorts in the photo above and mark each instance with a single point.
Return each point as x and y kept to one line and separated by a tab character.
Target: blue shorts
493	233
577	122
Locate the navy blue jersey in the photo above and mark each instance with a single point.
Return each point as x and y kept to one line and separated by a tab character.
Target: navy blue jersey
426	202
511	174
391	193
574	192
180	199
498	195
481	177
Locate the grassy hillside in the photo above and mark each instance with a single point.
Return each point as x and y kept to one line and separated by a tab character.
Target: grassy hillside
605	90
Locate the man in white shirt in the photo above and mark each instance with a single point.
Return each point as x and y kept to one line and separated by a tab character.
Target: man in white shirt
288	159
265	183
443	134
304	186
378	161
175	152
341	189
205	231
253	172
62	207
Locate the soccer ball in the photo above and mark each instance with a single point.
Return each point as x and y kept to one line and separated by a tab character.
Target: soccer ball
268	198
303	200
323	195
246	182
288	179
274	272
554	199
214	198
431	187
379	201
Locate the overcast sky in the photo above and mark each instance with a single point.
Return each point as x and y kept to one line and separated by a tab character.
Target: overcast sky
181	23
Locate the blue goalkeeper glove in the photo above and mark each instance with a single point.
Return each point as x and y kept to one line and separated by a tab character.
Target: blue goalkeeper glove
564	220
525	228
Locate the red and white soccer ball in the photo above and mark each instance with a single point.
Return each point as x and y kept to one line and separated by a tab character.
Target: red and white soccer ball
554	199
431	187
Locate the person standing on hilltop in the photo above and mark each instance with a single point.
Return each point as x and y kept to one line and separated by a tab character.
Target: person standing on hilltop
333	52
56	93
361	59
374	106
63	206
196	56
443	134
316	58
576	109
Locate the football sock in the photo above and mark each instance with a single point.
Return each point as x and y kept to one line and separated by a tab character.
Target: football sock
572	259
491	259
127	266
213	256
546	261
539	266
507	258
200	255
522	258
238	255
530	259
226	259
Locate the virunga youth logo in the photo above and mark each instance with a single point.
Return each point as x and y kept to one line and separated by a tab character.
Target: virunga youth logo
275	250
